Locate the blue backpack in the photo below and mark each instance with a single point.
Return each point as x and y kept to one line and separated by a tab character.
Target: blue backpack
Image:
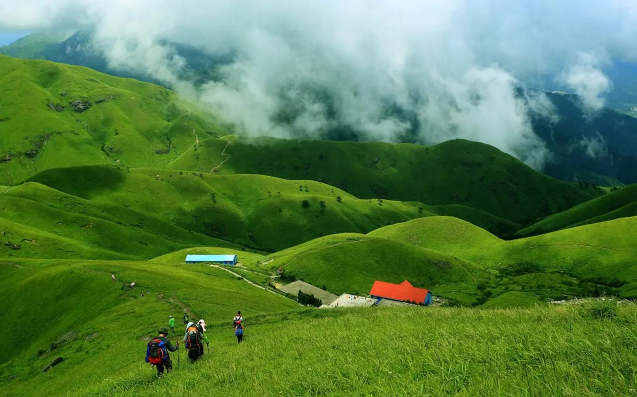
238	331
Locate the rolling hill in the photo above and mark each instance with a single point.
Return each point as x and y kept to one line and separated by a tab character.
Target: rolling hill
291	351
54	115
143	213
580	261
455	172
84	316
620	203
350	263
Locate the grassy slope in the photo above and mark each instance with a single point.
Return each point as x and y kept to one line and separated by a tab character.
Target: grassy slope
250	210
137	120
245	258
351	263
461	352
33	45
56	297
613	205
47	223
603	252
453	172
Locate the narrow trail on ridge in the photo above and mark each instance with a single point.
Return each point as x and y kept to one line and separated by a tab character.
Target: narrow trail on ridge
194	129
223	153
250	282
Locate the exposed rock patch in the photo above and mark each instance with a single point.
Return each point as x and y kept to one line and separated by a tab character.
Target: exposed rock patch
53	363
13	246
81	105
56	106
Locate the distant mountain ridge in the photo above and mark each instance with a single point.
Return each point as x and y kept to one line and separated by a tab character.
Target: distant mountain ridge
600	149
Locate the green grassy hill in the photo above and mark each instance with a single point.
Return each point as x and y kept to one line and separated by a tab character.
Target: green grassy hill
451	351
621	203
48	299
581	261
143	213
350	263
454	172
54	115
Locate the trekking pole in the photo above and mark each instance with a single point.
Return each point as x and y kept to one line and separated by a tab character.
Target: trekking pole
177	357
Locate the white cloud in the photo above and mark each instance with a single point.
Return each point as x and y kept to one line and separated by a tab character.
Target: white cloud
451	66
592	146
588	82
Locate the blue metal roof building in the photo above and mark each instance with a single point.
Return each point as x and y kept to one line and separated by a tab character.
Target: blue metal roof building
221	259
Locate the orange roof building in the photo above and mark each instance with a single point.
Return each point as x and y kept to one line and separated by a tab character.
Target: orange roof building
403	292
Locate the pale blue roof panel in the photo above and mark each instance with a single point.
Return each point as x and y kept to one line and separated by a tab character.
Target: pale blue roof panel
211	258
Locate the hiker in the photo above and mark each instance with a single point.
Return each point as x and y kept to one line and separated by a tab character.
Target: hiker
157	352
238	331
237	318
192	340
171	323
185	318
201	325
113	277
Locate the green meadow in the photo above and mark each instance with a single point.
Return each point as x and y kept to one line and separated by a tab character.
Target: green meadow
103	176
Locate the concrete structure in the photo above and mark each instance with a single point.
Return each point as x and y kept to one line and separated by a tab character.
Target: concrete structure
294	287
349	300
220	259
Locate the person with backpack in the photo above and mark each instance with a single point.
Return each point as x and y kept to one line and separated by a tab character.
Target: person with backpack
157	352
201	325
236	319
171	323
193	341
185	318
238	331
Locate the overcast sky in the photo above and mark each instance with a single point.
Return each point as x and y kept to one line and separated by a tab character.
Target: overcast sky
453	64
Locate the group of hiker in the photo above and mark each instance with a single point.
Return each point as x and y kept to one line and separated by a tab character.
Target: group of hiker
157	351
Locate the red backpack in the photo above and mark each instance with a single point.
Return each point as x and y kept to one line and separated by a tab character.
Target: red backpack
156	351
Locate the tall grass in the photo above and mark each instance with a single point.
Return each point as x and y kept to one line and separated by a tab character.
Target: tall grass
541	351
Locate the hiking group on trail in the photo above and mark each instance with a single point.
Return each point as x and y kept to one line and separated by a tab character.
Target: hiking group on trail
194	338
157	350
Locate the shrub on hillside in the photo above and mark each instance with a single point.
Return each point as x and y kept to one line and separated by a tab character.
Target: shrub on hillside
308	299
305	204
605	309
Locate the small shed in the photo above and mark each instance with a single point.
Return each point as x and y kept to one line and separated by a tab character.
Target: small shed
403	292
220	259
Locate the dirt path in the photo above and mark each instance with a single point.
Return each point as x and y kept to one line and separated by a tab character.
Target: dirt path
193	130
10	187
223	153
250	282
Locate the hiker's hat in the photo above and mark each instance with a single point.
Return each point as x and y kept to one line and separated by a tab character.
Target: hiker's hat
163	331
170	316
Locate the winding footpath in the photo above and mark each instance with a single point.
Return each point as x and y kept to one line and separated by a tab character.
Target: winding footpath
223	153
250	282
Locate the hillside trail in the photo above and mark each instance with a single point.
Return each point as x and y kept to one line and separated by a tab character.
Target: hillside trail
6	191
250	282
223	153
193	130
